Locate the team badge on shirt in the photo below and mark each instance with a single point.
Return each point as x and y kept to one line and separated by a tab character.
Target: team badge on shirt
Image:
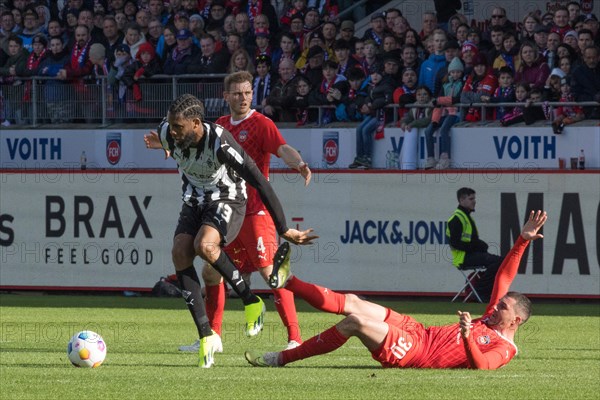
243	136
485	339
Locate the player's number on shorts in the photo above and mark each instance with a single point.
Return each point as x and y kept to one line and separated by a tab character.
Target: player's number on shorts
260	245
224	211
401	348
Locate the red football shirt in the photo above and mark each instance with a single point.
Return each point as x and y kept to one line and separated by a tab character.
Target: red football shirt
443	346
259	137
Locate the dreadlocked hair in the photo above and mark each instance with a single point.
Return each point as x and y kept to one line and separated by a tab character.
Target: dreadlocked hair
188	107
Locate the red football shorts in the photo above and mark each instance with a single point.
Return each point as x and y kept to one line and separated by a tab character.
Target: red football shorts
255	245
402	343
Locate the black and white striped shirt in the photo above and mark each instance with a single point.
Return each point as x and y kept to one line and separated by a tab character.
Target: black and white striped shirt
217	168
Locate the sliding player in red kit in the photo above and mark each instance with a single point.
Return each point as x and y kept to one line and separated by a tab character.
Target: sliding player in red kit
397	340
254	247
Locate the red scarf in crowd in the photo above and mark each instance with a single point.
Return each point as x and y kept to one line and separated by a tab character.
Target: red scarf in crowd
32	65
79	55
254	10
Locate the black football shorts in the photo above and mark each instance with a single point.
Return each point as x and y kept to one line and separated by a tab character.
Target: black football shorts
226	216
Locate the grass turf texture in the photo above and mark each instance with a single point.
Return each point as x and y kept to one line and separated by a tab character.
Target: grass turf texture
559	355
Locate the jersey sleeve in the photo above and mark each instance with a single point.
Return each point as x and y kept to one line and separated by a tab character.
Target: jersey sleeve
231	153
272	139
493	358
507	272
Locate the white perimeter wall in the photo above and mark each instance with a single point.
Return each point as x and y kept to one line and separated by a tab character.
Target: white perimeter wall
380	232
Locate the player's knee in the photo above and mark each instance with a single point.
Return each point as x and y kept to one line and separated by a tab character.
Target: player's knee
204	253
207	251
351	325
351	300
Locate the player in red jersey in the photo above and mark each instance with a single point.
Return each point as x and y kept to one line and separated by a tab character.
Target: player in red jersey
255	245
397	340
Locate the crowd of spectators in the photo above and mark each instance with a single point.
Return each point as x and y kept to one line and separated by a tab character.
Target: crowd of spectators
302	54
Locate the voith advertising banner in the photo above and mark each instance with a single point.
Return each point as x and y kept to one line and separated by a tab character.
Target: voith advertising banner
51	149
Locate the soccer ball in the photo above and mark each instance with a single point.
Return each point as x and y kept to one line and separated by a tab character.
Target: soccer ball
86	349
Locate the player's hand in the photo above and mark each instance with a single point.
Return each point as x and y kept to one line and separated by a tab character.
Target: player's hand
153	142
305	172
299	237
465	323
536	220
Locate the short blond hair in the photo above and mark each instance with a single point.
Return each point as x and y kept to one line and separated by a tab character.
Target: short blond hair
237	77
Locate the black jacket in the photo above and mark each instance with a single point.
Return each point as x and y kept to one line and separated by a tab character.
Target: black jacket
380	96
585	84
282	97
149	70
180	67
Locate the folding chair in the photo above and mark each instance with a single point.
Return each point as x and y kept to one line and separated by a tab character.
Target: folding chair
471	275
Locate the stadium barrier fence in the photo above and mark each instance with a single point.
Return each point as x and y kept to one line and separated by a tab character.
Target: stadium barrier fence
38	100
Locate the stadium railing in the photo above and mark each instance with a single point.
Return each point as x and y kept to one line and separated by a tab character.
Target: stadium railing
39	100
482	106
42	100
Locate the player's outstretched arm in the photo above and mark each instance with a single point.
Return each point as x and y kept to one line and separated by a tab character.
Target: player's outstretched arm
535	222
153	142
299	237
510	265
293	159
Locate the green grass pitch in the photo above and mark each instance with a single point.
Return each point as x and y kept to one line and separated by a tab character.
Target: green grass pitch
559	355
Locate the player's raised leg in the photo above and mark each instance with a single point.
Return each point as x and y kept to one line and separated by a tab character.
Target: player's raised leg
254	249
207	246
363	318
281	266
319	297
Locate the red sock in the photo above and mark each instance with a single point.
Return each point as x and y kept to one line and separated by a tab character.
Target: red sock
319	297
284	303
215	306
325	342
